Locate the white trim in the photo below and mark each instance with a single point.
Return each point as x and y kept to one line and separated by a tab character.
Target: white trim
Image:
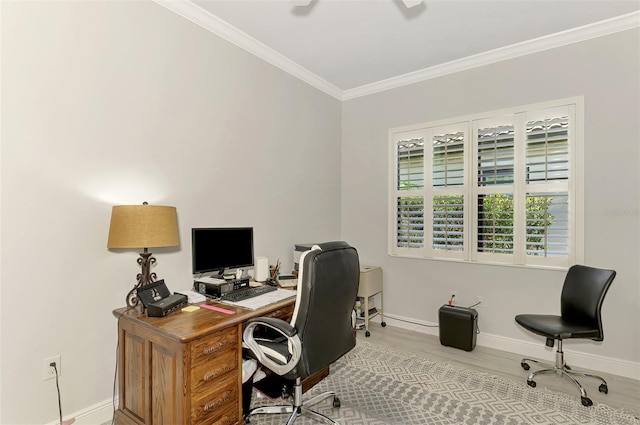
536	45
593	362
212	23
577	184
221	28
96	414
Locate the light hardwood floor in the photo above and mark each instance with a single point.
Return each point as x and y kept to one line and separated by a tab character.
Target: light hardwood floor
624	393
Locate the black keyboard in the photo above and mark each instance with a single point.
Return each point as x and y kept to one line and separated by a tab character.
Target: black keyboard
245	293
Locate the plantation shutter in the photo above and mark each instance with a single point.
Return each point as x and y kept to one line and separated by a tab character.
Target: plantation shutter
410	198
496	155
501	187
447	191
547	150
495	177
410	222
547	174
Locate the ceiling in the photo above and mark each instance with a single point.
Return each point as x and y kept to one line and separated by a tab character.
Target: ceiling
351	47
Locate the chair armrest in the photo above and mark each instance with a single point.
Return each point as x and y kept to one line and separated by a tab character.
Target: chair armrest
277	324
283	328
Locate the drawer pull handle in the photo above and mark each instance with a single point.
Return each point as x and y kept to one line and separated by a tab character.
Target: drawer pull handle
213	348
215	373
212	405
225	420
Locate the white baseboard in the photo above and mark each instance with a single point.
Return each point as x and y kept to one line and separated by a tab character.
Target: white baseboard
97	414
593	362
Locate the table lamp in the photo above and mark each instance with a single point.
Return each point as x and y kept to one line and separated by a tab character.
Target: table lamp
142	227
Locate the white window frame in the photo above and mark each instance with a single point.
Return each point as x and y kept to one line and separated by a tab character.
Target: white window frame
518	116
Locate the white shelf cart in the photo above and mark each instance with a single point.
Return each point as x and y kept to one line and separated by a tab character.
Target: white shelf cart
370	286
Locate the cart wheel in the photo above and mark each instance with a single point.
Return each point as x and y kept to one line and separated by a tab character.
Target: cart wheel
367	334
603	388
586	401
383	324
532	384
524	365
336	402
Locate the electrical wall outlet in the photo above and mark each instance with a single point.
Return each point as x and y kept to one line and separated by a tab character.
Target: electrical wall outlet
48	371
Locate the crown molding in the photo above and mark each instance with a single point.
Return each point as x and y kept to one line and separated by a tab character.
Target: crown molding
212	23
574	35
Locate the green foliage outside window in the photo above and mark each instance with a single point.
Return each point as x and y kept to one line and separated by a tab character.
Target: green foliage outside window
448	222
410	221
496	213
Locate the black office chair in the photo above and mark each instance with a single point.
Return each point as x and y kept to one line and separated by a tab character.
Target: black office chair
321	329
580	303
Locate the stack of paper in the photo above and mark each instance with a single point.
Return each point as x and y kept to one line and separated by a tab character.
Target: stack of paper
193	296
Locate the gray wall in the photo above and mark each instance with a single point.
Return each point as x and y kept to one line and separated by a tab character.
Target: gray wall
606	71
121	102
107	103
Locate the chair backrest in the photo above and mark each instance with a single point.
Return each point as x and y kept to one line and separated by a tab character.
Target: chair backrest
327	288
582	296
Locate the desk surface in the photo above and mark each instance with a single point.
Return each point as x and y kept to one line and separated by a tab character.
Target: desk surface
186	326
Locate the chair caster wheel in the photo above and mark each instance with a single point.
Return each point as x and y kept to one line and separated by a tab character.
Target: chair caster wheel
586	401
603	388
336	402
524	365
532	384
383	324
367	334
285	393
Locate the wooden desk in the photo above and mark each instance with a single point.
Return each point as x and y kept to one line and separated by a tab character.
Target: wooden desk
185	368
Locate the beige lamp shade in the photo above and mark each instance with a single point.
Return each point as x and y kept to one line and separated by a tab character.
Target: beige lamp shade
143	226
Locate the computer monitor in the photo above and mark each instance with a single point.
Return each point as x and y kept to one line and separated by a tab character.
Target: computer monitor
222	248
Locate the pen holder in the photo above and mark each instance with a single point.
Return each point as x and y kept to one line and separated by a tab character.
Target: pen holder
272	282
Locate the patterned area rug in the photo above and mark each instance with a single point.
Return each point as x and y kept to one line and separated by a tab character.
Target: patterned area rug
380	386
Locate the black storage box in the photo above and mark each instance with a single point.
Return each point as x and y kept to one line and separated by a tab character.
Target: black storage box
458	327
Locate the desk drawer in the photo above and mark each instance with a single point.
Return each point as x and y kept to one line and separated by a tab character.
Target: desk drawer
210	347
226	416
208	372
218	405
283	313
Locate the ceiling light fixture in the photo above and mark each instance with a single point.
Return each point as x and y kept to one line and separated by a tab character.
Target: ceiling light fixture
408	3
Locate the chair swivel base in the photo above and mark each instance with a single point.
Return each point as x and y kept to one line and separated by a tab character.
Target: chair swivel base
299	407
563	370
